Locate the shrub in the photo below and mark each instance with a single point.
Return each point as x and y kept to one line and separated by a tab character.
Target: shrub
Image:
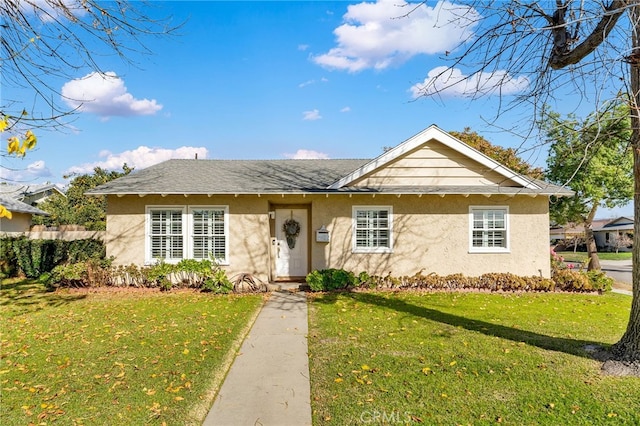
204	275
599	281
8	258
68	275
570	280
35	257
331	279
159	275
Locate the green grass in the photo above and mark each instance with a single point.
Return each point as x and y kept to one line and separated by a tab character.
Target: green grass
115	357
467	358
581	256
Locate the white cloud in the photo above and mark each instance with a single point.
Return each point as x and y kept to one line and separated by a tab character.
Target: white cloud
33	171
305	154
105	95
346	109
49	13
452	82
310	82
306	83
382	34
139	158
303	47
311	115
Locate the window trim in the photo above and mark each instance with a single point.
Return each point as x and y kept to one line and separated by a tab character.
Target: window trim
187	234
224	261
148	258
507	248
354	247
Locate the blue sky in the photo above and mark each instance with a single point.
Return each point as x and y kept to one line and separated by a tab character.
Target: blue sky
266	80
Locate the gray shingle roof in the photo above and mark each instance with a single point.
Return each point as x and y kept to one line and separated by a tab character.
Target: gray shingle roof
273	176
231	177
16	206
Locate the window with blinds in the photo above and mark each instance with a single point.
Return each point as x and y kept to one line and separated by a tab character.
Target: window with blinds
489	229
209	234
165	234
372	229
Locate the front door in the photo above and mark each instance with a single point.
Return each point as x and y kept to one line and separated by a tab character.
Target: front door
291	251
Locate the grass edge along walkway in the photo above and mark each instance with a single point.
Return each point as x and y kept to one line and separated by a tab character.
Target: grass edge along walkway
199	411
124	357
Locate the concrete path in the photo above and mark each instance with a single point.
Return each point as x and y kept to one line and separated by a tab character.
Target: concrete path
268	383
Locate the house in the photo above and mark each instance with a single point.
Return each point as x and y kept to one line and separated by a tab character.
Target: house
430	204
21	215
32	194
610	235
568	232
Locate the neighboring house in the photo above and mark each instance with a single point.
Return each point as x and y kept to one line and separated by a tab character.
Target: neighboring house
559	233
607	235
430	204
32	194
21	215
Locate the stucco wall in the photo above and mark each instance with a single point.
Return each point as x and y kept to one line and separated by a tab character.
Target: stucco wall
431	233
19	222
248	223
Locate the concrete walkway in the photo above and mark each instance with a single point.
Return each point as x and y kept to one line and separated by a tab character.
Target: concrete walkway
268	383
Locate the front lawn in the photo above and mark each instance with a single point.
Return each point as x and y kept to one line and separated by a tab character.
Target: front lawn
467	358
115	357
582	256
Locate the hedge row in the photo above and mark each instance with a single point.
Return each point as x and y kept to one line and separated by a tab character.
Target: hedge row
562	280
204	275
32	258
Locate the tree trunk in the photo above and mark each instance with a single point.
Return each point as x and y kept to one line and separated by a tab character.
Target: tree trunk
592	249
628	348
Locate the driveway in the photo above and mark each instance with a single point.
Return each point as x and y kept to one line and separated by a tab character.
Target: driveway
619	270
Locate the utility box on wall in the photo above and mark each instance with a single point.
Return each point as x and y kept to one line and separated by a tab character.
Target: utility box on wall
322	235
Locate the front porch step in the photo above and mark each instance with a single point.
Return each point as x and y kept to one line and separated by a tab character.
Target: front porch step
287	286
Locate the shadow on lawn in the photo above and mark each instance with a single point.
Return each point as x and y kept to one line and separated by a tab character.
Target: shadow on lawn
597	350
22	296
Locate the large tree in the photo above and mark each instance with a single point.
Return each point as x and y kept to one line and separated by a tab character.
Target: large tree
506	156
594	159
74	208
562	48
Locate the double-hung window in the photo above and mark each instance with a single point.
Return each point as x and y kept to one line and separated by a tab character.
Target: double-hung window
489	229
209	233
372	229
177	232
165	233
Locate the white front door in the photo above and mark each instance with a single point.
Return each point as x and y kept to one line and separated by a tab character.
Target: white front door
291	253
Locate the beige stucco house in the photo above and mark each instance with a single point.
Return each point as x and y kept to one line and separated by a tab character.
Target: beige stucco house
430	204
21	215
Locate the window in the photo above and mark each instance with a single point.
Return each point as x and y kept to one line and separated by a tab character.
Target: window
209	233
172	234
372	229
489	229
166	239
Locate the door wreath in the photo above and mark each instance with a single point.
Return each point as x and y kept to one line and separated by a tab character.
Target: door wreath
291	230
